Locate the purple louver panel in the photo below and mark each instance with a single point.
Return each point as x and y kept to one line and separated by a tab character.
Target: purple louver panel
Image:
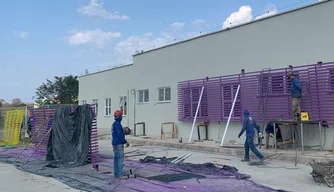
261	91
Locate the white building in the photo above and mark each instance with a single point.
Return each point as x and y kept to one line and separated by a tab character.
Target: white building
298	37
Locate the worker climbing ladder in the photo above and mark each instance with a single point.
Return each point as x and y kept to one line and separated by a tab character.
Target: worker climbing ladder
264	83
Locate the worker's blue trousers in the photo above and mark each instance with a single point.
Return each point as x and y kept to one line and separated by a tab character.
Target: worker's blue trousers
249	144
118	160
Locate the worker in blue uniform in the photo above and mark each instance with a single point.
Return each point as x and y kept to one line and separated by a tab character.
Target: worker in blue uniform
270	132
249	125
118	142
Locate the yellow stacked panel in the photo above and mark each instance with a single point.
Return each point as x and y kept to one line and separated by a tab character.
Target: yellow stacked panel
12	126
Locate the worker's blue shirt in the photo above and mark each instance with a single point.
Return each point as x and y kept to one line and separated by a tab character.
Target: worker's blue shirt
296	89
118	137
248	125
270	128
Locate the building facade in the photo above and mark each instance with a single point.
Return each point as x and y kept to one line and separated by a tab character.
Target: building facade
159	86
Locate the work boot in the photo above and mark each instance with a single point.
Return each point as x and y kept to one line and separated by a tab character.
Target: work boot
245	160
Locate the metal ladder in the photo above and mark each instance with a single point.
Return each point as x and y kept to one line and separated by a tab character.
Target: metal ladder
265	71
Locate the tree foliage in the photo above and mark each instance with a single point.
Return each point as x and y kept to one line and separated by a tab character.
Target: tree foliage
62	90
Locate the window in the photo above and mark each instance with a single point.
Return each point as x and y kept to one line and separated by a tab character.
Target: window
107	111
96	102
143	96
164	94
191	98
228	94
123	105
84	102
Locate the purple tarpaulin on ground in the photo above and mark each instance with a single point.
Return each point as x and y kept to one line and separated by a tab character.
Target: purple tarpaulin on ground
85	178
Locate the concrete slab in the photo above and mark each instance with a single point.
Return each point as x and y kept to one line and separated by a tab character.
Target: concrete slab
212	146
13	180
275	174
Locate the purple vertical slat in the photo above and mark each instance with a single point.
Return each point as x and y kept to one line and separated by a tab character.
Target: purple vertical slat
318	89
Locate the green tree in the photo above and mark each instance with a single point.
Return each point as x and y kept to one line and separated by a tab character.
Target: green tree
62	90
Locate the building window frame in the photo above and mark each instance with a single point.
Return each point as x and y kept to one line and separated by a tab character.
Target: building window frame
164	94
107	107
143	96
96	103
123	105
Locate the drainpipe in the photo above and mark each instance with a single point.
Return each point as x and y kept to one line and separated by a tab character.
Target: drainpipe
133	92
127	107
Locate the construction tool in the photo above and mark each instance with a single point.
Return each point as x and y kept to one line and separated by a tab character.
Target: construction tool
131	175
31	139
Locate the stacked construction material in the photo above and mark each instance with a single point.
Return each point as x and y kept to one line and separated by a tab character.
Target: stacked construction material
42	120
12	126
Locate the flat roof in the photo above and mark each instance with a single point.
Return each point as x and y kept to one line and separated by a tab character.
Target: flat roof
105	70
233	27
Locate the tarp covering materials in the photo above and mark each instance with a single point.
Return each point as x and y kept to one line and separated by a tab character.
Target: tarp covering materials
69	140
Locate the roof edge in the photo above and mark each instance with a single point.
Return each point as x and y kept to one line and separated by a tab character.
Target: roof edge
105	70
234	27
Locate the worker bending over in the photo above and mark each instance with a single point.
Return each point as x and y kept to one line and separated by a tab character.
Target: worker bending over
270	132
118	141
248	125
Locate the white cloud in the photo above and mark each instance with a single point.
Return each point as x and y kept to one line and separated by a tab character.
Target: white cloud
96	9
125	49
22	35
178	25
243	15
270	10
97	37
199	21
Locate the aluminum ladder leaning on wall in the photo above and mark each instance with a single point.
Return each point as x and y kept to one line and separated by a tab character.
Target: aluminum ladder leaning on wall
264	73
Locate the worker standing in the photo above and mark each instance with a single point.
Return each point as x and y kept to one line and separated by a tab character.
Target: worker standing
248	125
118	141
296	94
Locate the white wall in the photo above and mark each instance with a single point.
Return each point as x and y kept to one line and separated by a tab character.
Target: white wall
107	84
296	38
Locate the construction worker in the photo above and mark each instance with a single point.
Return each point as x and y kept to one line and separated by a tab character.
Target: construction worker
118	142
296	94
270	131
248	125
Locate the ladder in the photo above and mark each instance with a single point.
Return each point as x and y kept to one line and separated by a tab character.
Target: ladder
265	75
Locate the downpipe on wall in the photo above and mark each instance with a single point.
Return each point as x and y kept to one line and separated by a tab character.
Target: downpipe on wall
127	104
133	92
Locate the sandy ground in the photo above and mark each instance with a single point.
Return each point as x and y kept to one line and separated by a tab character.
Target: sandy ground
13	180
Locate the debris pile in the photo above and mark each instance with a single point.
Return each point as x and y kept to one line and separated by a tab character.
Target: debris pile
205	168
323	172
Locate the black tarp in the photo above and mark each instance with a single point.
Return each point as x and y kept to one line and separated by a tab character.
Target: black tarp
69	140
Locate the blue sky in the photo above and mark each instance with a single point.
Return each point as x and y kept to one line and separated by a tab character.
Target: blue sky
41	39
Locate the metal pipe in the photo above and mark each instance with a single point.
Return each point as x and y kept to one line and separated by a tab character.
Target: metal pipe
133	92
185	157
179	157
229	118
127	104
198	105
